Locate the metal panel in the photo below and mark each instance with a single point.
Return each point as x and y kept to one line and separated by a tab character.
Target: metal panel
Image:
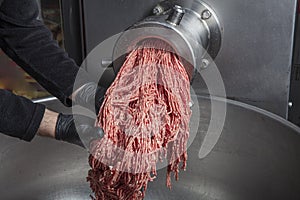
104	18
255	58
71	14
255	61
294	113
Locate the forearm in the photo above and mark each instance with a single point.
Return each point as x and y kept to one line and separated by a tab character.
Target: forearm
48	123
23	119
19	117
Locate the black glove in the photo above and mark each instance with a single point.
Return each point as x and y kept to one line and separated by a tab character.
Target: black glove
86	131
90	96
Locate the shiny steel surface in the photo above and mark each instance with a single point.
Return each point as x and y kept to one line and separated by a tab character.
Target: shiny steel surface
184	29
256	53
257	157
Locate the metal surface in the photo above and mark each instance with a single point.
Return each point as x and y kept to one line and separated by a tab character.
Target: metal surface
294	104
71	16
104	18
257	157
256	54
175	17
190	36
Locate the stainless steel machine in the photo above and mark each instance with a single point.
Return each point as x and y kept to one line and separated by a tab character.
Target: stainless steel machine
194	33
256	50
257	155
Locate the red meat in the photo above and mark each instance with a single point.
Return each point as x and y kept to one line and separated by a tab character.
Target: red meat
145	116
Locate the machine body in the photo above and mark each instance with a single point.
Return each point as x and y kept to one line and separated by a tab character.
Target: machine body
257	43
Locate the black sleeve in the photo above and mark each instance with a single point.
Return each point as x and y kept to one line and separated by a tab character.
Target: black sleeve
30	44
19	117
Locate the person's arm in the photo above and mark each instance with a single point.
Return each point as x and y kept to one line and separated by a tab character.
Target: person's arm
48	124
19	117
30	44
74	129
23	119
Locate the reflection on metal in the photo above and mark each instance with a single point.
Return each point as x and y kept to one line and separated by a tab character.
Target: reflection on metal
176	15
44	100
162	8
206	14
184	29
256	157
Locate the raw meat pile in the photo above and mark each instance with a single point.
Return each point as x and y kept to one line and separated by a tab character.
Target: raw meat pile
145	116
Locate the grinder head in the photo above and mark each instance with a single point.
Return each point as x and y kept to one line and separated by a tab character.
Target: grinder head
193	33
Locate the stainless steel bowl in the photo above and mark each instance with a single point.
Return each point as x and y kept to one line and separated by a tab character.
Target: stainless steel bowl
256	157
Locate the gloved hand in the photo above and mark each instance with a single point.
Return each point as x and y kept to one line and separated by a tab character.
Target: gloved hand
66	129
90	96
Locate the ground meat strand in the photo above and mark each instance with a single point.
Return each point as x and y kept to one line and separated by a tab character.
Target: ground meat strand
145	116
